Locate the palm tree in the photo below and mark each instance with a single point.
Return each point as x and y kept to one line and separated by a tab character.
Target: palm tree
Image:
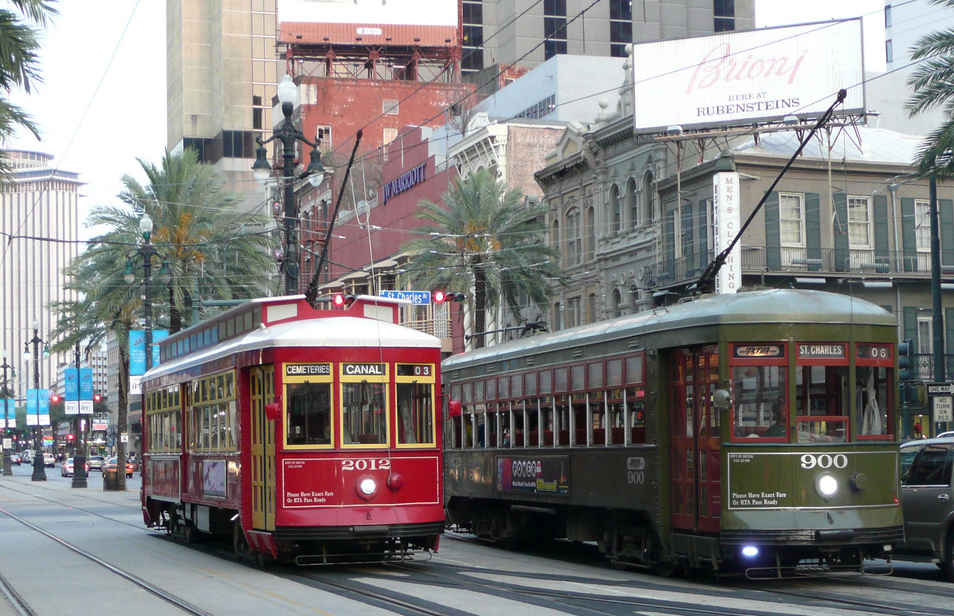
933	86
213	250
486	242
196	229
19	63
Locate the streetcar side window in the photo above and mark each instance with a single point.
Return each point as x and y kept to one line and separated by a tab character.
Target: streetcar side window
871	385
212	414
309	413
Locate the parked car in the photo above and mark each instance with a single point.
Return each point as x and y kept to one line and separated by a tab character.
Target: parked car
15	459
67	469
48	460
927	502
111	466
96	463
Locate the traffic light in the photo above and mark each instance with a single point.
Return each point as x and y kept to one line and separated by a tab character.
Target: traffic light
70	437
446	296
905	366
340	300
54	398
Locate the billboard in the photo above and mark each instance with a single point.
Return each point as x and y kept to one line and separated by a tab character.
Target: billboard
378	12
746	77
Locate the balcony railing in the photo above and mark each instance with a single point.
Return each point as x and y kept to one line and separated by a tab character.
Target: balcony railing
795	261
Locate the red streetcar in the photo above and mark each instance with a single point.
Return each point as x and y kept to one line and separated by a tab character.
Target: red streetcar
308	435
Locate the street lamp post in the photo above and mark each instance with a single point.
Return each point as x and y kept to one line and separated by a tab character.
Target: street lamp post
288	134
146	252
7	463
39	464
79	456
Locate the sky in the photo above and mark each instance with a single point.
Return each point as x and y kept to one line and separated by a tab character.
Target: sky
102	104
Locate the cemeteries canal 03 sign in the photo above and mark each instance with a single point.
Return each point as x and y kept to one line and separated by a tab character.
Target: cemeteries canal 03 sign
538	475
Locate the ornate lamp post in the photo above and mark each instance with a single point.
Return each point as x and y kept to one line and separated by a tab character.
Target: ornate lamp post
288	134
146	252
39	465
5	392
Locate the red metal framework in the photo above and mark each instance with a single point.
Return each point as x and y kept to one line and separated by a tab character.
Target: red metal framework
386	52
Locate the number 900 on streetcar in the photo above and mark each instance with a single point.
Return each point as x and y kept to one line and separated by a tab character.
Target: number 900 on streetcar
308	436
750	432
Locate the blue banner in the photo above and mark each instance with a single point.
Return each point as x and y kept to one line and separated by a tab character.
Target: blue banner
10	414
85	384
71	387
137	353
38	407
137	350
157	335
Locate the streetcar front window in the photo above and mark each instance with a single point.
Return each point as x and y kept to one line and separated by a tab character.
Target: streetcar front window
821	403
759	397
364	413
309	413
415	413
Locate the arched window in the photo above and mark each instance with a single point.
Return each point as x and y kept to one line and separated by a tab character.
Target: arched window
555	237
590	234
617	303
632	202
615	210
649	199
556	323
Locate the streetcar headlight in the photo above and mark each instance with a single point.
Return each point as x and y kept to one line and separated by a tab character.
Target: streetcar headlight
367	487
750	551
826	486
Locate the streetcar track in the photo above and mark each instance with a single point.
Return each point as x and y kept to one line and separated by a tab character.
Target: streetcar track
152	589
824	599
19	605
140	527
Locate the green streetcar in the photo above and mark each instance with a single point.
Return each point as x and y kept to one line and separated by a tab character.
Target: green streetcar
752	432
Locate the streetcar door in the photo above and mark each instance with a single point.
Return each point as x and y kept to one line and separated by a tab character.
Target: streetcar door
695	445
262	446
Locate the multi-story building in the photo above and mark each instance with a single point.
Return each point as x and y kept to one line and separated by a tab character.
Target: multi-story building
905	22
40	226
527	32
221	71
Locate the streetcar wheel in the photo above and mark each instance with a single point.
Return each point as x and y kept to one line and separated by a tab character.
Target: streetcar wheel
239	544
669	568
189	533
948	565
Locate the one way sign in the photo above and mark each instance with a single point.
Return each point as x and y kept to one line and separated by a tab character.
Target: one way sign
940	389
